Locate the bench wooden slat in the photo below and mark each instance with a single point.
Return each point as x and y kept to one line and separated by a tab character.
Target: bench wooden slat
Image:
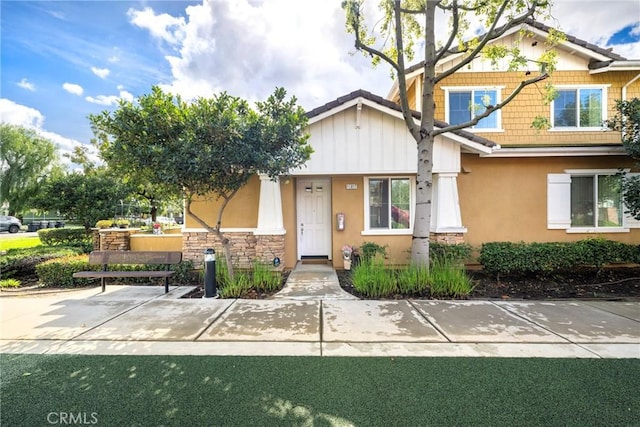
106	258
121	274
135	257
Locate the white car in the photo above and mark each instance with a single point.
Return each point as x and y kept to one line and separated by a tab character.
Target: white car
10	224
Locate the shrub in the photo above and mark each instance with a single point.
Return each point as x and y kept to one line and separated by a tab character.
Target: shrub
264	278
59	272
23	261
369	250
373	279
64	236
413	279
9	283
526	258
459	252
448	279
240	285
185	273
105	223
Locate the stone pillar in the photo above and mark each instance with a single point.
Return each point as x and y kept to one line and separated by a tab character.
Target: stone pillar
268	247
115	239
242	245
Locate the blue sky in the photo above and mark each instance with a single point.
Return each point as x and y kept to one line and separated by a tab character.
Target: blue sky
64	60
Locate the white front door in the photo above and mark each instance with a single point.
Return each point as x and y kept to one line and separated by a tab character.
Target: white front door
314	217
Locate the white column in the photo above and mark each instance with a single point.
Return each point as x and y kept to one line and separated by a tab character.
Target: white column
445	213
270	207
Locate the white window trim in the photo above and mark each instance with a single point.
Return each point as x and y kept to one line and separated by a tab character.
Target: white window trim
498	89
578	128
554	224
368	231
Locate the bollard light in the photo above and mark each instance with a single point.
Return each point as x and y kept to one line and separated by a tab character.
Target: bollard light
209	255
210	288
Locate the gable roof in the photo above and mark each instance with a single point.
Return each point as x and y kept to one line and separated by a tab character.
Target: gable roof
599	58
465	137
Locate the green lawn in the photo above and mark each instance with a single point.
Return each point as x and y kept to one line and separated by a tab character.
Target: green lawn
283	391
19	242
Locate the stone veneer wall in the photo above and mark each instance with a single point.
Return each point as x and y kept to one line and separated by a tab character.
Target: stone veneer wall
112	239
447	238
245	247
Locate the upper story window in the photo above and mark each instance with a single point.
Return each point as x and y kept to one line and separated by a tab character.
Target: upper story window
463	104
581	108
388	203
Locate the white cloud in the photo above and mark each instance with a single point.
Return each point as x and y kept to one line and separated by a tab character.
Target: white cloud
249	48
73	88
110	100
163	26
590	21
100	72
20	115
28	117
25	84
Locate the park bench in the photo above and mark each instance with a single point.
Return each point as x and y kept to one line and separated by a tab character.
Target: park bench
107	258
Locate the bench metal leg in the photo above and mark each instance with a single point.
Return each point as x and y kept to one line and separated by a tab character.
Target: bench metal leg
166	285
103	283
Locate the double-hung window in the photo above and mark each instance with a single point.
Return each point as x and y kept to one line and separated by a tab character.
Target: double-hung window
389	204
587	201
582	108
463	104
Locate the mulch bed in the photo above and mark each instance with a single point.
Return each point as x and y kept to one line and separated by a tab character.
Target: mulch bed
610	283
619	283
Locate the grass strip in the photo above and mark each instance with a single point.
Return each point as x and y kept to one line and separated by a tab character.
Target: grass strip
19	243
277	391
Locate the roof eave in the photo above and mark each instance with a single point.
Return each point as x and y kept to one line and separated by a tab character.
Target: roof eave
628	65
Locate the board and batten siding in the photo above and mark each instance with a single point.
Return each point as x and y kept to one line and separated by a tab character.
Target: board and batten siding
374	143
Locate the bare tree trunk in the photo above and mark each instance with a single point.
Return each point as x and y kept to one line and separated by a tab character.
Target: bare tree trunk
424	178
424	192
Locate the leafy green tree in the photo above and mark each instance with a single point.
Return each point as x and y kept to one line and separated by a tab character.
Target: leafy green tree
407	24
83	197
208	148
25	160
627	121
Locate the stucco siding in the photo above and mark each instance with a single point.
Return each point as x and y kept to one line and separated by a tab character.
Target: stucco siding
505	199
241	212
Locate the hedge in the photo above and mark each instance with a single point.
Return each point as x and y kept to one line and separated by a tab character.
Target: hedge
526	258
23	261
64	236
59	272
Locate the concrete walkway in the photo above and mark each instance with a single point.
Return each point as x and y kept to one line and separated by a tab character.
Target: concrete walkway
321	321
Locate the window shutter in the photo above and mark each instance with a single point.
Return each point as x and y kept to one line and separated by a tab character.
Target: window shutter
558	201
628	220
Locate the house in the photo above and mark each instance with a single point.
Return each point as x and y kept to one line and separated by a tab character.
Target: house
500	181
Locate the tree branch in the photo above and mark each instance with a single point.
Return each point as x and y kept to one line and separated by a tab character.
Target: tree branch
372	51
402	80
492	108
492	34
454	31
461	7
